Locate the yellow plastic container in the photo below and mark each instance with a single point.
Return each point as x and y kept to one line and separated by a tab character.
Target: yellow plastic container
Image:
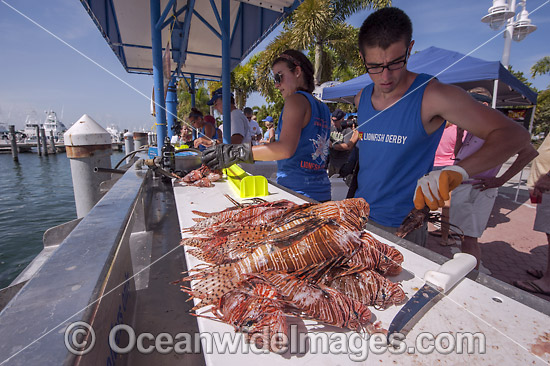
244	184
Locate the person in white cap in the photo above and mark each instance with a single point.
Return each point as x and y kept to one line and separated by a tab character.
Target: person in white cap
240	131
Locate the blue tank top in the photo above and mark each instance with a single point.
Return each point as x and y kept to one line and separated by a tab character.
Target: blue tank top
394	152
201	133
305	172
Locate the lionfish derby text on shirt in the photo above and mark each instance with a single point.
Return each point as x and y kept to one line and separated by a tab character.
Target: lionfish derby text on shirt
382	137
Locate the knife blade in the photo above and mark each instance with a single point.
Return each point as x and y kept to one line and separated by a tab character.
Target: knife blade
437	283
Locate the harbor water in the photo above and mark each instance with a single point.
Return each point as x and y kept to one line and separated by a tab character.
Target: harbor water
35	195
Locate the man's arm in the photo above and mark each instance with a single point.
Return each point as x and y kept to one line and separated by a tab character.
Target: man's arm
237	138
503	137
347	146
525	155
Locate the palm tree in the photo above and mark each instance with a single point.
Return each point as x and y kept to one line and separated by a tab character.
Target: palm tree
542	115
319	27
541	67
202	96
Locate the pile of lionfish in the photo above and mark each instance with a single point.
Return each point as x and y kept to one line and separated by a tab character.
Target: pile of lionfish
273	259
201	177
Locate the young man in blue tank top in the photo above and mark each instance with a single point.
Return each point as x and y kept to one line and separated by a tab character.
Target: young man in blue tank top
401	118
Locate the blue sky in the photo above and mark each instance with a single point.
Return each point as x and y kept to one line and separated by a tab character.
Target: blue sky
38	72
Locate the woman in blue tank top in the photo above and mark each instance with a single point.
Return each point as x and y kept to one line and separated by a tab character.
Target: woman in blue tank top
302	137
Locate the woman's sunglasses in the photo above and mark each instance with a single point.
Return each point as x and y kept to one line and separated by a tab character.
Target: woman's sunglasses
278	78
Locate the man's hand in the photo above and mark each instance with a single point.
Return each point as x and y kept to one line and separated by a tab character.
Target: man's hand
542	185
224	155
486	183
433	189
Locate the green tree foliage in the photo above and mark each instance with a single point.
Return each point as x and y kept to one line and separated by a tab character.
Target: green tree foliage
541	67
542	115
318	26
202	96
264	111
521	77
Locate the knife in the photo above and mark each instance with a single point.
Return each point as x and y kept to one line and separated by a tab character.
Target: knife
437	283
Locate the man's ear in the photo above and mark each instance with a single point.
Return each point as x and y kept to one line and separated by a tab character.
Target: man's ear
411	47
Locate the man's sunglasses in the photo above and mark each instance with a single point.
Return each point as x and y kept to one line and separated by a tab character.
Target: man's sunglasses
396	65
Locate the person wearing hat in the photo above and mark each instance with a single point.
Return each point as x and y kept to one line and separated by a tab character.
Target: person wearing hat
255	130
269	134
401	117
473	200
302	136
240	131
341	142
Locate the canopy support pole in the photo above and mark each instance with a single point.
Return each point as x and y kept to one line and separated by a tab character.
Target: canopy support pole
226	72
192	91
156	38
171	106
495	94
530	134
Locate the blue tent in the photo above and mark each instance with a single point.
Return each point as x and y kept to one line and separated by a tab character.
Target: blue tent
452	68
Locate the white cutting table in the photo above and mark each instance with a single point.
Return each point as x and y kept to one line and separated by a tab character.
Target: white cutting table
515	334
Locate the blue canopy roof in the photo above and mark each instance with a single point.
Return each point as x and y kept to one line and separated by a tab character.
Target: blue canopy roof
452	68
193	27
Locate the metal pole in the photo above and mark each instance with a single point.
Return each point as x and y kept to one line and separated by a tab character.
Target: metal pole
226	72
158	75
140	139
532	120
508	36
519	184
13	142
38	144
193	91
530	133
52	142
128	145
88	146
171	106
44	141
505	59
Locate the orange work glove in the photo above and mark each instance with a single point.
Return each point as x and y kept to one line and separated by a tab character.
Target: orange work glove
433	189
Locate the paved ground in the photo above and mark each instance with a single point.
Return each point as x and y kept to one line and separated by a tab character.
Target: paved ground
509	245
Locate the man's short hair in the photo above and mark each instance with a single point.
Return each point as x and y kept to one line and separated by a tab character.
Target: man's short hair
247	110
384	27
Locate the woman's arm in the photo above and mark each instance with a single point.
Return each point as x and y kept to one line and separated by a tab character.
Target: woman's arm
296	115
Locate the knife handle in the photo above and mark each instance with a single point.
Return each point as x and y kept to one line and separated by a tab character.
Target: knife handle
451	271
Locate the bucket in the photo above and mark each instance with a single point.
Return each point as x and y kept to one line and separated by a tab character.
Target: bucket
188	159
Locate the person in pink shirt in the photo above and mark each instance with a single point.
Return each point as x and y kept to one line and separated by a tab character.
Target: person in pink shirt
444	156
445	153
472	201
